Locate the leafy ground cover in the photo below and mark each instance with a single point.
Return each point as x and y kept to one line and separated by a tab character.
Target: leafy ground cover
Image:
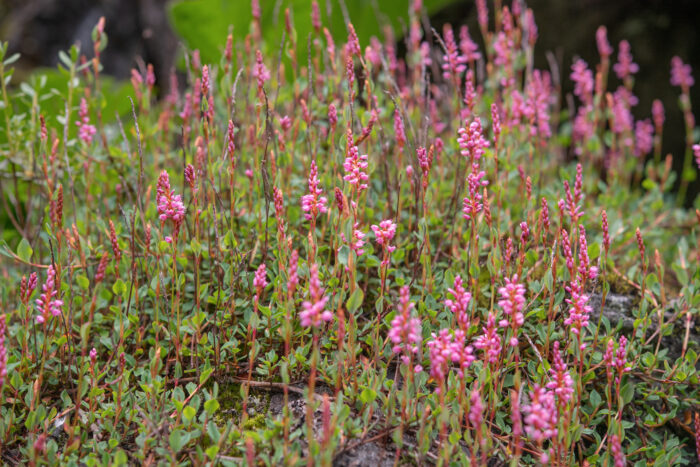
359	258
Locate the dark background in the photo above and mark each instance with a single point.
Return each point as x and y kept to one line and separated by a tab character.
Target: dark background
139	32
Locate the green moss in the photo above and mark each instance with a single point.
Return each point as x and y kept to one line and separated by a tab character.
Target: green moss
255	423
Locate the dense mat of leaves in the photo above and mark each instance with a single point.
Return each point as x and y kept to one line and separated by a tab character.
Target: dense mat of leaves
420	252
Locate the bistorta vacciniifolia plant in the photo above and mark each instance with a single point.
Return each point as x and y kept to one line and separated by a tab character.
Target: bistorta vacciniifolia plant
286	263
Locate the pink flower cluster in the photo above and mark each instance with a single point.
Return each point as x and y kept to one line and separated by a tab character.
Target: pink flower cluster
625	66
472	142
562	384
512	302
26	287
355	167
489	342
47	303
260	279
384	232
170	205
681	73
405	332
583	81
472	204
313	203
459	305
445	348
260	72
314	311
453	62
616	360
541	415
85	130
579	310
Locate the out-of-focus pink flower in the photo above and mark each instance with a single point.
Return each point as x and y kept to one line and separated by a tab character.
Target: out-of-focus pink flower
315	16
541	415
453	62
85	130
476	409
681	73
579	310
604	47
445	348
459	304
582	77
469	49
562	384
482	12
512	302
696	153
405	332
657	114
314	311
617	453
260	71
260	279
625	66
489	342
384	232
472	204
643	138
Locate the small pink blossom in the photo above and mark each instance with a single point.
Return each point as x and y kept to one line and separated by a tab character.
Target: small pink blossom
625	66
47	304
313	203
541	415
314	311
405	332
459	304
681	73
489	342
85	130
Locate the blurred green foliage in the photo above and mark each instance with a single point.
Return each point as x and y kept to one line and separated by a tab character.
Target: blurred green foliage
204	24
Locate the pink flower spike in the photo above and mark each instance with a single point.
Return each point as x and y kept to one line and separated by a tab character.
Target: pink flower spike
405	332
490	341
625	67
314	311
355	167
459	305
541	415
260	279
681	73
313	204
47	304
476	409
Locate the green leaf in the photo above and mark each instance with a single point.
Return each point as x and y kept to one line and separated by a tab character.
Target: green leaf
211	406
24	250
83	282
627	393
355	300
368	395
175	440
119	287
189	412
